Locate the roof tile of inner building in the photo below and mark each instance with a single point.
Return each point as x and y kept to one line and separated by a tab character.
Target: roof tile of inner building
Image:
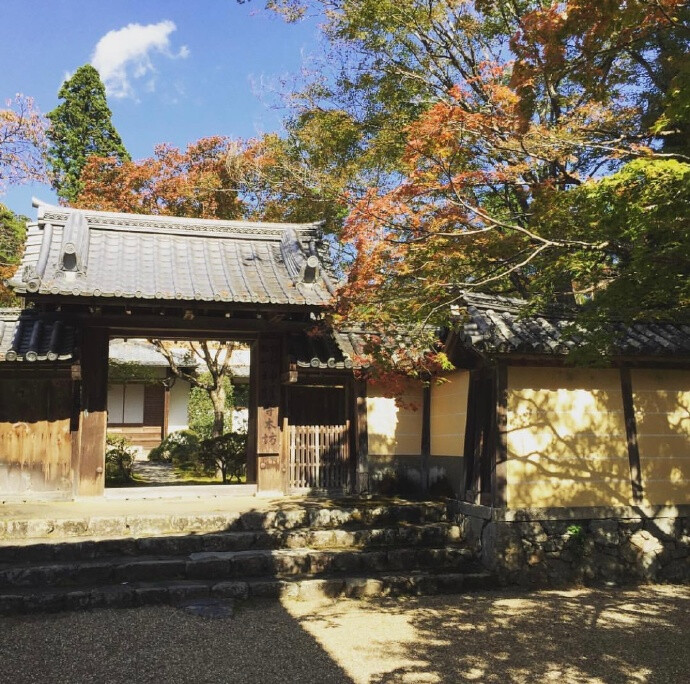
143	353
85	253
494	324
327	349
29	336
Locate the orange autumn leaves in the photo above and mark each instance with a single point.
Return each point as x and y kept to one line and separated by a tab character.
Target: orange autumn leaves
560	107
192	183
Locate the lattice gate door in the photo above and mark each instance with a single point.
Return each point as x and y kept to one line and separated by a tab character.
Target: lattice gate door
320	457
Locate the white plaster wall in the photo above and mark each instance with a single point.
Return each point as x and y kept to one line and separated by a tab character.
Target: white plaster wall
240	420
179	398
115	403
134	403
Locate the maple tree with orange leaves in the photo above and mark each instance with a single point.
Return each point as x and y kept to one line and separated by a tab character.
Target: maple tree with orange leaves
538	149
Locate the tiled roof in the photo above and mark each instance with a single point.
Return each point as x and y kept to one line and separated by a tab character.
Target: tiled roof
494	324
328	349
318	351
100	254
348	346
28	336
143	353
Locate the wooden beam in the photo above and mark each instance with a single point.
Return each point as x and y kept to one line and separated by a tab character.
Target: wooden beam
426	438
94	373
479	438
362	446
82	302
271	456
199	328
252	465
471	434
75	433
166	404
499	479
488	437
631	435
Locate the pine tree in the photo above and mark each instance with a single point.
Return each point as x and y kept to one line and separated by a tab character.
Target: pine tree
81	127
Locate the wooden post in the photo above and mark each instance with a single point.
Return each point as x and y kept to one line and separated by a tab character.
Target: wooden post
426	439
269	443
487	458
472	436
631	435
499	479
166	404
362	438
252	466
94	418
75	426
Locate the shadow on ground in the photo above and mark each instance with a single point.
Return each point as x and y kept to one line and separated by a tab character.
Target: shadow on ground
615	635
631	635
260	643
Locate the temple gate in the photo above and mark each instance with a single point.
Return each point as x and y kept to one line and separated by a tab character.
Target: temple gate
88	276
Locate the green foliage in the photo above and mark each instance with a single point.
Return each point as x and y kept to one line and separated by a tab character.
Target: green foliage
227	453
576	540
240	396
641	217
575	531
81	127
119	459
12	236
123	371
200	407
186	451
178	447
518	148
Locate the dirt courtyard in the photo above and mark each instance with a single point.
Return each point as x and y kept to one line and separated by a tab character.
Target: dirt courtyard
637	634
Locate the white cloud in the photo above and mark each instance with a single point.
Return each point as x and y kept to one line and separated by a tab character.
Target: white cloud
125	53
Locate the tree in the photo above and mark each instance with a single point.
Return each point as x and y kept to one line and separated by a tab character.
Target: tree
12	235
301	175
80	127
482	121
194	183
216	356
22	143
200	407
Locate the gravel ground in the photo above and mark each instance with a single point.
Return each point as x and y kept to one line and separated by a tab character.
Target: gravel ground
614	635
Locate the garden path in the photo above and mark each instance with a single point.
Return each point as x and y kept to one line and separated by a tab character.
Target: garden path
156	473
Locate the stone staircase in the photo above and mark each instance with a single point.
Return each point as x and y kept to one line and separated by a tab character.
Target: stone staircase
299	551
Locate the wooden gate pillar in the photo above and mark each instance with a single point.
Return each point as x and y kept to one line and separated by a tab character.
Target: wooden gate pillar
361	438
94	412
271	465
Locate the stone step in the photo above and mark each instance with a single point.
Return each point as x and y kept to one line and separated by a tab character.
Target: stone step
287	588
234	565
431	534
313	516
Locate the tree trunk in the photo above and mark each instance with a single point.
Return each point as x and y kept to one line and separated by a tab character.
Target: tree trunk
218	399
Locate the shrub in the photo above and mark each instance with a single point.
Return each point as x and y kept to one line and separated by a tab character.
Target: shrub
177	447
227	453
119	459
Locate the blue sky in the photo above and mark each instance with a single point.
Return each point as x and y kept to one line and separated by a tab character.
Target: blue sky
176	70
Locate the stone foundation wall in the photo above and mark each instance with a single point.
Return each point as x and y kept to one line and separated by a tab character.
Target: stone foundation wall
551	547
